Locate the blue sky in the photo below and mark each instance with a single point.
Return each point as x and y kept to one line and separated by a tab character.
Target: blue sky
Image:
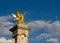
43	16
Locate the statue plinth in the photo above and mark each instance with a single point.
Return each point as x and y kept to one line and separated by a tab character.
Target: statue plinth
25	27
19	31
19	26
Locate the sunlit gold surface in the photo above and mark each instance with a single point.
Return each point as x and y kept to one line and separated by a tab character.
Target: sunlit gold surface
19	18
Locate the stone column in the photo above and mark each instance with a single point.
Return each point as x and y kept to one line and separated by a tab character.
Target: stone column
26	36
13	40
18	39
26	39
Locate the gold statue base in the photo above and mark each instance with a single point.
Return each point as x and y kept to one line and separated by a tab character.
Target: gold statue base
23	26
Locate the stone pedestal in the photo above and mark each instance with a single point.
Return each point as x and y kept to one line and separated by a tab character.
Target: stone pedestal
13	40
19	34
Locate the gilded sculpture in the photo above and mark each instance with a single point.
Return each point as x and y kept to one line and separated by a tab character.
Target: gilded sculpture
19	17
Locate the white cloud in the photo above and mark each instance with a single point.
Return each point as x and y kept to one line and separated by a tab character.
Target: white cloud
4	40
40	24
52	29
36	25
55	40
5	25
43	36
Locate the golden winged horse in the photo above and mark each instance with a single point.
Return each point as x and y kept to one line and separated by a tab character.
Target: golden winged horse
19	18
